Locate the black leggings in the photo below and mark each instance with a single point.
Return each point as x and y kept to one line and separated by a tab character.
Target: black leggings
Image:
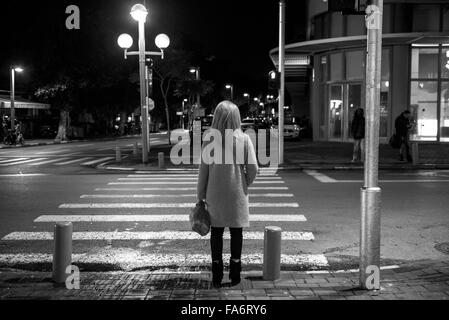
216	243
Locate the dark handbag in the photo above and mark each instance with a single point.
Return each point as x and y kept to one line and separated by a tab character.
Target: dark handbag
200	219
395	141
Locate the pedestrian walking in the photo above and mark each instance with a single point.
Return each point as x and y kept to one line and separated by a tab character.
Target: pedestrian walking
403	125
358	133
224	188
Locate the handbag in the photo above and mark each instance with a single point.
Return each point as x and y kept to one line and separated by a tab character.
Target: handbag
200	219
395	141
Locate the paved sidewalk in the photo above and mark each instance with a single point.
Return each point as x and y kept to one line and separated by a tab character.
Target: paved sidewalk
417	281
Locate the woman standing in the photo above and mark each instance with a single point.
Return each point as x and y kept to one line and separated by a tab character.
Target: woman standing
358	133
224	187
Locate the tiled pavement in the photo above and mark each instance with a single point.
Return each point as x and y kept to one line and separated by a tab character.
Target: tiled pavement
415	281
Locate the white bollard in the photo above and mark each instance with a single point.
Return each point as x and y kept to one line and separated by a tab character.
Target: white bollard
272	253
415	153
118	154
62	254
161	159
135	149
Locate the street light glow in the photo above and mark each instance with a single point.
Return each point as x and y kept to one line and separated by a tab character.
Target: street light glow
162	41
228	86
125	41
18	69
246	95
192	70
139	12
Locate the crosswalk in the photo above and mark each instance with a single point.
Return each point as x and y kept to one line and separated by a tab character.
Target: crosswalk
56	161
148	227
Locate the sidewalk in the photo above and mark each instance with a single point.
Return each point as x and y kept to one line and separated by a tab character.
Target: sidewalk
312	155
417	281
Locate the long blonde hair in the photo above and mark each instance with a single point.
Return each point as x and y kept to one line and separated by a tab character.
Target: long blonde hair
226	116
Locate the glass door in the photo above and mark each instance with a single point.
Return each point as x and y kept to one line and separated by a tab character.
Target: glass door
352	103
336	112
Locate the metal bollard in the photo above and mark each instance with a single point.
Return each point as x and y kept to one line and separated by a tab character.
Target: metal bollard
118	154
62	254
161	158
272	253
135	149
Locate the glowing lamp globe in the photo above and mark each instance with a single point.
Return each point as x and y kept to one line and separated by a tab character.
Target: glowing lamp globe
162	41
125	41
139	12
18	69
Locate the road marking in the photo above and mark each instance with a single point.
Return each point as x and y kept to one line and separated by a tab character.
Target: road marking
72	161
393	181
22	162
150	235
137	259
47	161
24	175
178	182
161	175
143	196
96	161
160	218
145	189
320	177
52	152
179	178
164	205
13	159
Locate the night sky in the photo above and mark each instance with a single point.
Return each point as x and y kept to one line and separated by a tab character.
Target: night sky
230	39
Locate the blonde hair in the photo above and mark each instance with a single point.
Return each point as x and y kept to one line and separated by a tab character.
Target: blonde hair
226	116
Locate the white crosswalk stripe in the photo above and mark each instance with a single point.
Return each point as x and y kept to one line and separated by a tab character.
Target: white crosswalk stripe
97	161
22	162
13	160
141	189
47	162
72	161
160	218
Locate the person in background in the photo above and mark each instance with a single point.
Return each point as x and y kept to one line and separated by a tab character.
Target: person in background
402	125
358	133
224	188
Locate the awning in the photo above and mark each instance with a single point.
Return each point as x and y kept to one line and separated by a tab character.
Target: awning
5	103
322	45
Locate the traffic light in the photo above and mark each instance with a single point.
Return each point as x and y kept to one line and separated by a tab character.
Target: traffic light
348	6
274	80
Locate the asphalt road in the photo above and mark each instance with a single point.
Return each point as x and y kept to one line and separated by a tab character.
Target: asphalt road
139	220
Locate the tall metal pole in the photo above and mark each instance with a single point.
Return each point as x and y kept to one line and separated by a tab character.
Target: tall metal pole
198	96
143	92
13	89
371	193
232	92
282	79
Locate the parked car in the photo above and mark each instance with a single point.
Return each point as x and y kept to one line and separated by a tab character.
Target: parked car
291	129
250	123
205	122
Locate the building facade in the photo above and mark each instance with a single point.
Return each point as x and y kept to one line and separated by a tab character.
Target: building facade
415	69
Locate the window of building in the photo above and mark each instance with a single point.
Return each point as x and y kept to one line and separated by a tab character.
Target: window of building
426	18
385	93
324	74
424	108
387	18
355	65
444	119
355	25
445	63
446	18
336	66
337	25
425	63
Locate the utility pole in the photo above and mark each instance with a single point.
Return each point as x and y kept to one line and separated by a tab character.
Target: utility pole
282	79
13	93
371	193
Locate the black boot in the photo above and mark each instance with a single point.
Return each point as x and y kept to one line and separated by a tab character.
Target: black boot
217	273
234	272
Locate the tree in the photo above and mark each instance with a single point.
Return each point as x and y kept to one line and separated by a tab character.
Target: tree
191	88
167	71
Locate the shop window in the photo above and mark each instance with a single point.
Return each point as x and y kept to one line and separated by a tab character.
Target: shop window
426	18
424	108
425	63
336	67
445	63
385	93
324	74
387	18
444	121
355	25
337	25
355	65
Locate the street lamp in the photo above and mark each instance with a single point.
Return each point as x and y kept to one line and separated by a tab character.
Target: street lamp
230	87
183	110
13	112
125	41
196	71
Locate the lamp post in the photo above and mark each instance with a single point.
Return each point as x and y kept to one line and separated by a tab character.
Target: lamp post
125	41
231	87
13	93
196	71
248	97
183	110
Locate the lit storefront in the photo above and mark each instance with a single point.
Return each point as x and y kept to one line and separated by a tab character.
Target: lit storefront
415	69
